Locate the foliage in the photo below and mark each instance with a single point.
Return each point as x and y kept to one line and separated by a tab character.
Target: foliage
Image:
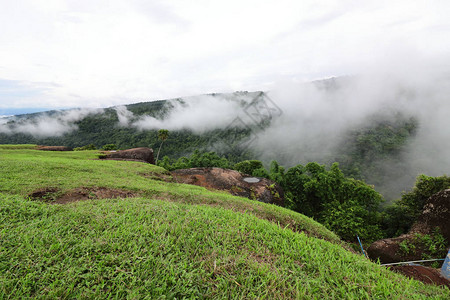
435	244
407	247
430	246
109	147
398	217
248	166
425	187
345	205
86	147
277	173
261	172
163	134
382	140
196	160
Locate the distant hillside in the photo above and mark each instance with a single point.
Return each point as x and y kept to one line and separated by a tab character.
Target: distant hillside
363	152
100	128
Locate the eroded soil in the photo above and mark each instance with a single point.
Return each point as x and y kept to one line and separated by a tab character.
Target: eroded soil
53	196
425	274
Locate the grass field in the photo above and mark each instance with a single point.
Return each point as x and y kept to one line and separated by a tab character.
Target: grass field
168	241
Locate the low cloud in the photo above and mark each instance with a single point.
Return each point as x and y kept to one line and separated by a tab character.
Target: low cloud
198	114
125	116
46	124
317	118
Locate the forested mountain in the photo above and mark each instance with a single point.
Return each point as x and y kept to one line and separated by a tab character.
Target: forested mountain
360	152
103	127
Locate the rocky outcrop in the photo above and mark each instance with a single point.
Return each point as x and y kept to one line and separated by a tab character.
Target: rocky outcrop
388	250
136	154
436	214
237	184
54	148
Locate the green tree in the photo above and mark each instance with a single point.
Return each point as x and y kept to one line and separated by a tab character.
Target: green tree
208	160
248	166
399	216
345	205
425	187
109	147
163	134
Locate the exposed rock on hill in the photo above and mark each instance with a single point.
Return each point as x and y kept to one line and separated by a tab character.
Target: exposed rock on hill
136	154
54	148
237	184
425	274
436	213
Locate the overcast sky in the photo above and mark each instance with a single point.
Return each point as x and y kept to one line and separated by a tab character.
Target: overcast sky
60	54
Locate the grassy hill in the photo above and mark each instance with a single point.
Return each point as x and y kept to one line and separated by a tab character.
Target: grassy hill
161	239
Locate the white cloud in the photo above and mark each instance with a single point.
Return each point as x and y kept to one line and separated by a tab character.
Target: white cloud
199	114
124	115
103	53
46	125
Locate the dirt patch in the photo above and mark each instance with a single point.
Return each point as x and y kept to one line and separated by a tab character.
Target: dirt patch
158	176
53	196
54	148
425	274
136	154
46	194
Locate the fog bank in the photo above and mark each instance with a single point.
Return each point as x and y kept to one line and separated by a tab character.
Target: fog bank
46	124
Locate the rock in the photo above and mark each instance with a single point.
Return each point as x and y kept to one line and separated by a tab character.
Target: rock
436	213
136	154
260	189
54	148
387	250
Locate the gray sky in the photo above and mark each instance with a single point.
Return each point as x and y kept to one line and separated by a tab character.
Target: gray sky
58	54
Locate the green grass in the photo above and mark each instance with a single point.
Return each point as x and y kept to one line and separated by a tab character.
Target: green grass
22	146
174	241
26	171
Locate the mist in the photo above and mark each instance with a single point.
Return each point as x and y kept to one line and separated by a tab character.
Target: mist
314	119
317	117
309	121
46	124
197	114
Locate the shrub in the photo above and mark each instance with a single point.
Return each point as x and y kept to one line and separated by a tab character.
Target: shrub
86	147
399	217
109	147
248	166
345	205
425	187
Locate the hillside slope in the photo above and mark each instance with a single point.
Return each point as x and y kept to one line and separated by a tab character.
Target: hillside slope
164	239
